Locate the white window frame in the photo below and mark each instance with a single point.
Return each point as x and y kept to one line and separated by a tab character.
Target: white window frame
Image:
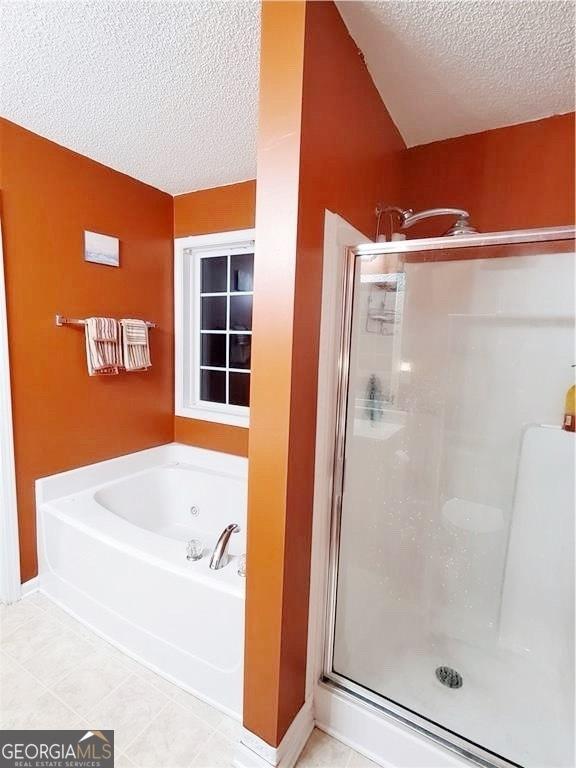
187	323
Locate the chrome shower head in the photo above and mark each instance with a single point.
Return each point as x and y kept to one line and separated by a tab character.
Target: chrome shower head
460	227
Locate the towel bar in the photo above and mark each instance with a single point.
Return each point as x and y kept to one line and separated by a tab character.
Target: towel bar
63	320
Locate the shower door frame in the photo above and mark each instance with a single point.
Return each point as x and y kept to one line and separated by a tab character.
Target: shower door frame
378	703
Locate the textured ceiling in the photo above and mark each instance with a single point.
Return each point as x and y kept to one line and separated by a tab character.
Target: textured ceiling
163	91
167	90
450	68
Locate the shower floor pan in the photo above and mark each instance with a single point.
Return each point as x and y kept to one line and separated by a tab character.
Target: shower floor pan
505	704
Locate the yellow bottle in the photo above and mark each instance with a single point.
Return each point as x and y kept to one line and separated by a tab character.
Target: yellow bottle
570	410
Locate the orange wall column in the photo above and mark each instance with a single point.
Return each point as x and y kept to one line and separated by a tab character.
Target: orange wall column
274	671
326	141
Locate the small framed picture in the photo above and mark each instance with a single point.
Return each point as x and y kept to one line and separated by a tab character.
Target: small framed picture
101	249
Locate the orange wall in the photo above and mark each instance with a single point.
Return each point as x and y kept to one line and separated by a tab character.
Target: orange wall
62	417
325	141
518	177
210	435
220	209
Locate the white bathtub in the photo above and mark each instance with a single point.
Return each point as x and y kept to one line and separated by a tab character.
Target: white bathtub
112	549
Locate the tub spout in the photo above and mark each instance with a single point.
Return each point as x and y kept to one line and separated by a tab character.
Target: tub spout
220	554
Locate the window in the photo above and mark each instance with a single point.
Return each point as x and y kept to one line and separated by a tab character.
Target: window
213	301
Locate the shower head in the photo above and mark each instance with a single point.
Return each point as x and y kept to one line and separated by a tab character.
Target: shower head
408	218
461	226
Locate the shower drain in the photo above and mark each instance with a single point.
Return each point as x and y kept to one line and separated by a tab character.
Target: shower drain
449	677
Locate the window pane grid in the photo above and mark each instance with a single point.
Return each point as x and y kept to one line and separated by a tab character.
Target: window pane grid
217	368
230	333
228	328
234	308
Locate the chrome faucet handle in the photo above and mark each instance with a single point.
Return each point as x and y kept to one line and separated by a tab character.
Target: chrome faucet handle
194	549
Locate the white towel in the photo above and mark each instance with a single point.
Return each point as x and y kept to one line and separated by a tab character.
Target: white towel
135	345
103	348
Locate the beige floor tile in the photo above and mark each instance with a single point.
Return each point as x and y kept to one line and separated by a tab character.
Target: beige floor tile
218	753
17	687
322	751
100	644
159	682
13	616
58	656
7	664
122	761
39	599
230	728
17	690
171	740
127	710
62	617
31	637
90	681
44	711
359	761
204	711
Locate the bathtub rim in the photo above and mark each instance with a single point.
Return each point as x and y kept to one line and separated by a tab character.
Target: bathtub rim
85	476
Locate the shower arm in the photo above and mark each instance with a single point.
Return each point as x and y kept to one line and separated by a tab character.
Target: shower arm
409	218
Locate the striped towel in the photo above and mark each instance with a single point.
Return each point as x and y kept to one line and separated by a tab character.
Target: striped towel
103	348
135	345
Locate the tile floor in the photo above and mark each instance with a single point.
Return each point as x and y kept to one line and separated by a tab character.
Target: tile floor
56	673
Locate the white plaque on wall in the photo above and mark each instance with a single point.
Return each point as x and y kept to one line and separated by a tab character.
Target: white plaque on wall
101	249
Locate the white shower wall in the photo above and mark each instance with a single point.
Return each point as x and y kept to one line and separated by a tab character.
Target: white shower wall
490	343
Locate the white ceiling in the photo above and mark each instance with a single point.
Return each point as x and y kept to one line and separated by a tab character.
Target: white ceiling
167	90
448	68
164	91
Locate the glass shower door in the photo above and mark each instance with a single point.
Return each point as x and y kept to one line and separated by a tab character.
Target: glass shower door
453	576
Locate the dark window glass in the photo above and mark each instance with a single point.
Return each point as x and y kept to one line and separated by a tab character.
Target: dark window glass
240	348
241	272
213	349
239	388
214	313
240	313
213	386
214	274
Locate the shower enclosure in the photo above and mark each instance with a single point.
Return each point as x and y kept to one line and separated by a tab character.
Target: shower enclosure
451	600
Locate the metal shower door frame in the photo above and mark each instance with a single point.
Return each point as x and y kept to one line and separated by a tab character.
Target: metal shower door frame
378	703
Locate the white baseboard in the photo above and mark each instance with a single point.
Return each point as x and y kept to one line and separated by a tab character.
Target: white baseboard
254	752
32	585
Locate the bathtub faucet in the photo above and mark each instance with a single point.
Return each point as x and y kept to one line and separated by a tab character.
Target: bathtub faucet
220	554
